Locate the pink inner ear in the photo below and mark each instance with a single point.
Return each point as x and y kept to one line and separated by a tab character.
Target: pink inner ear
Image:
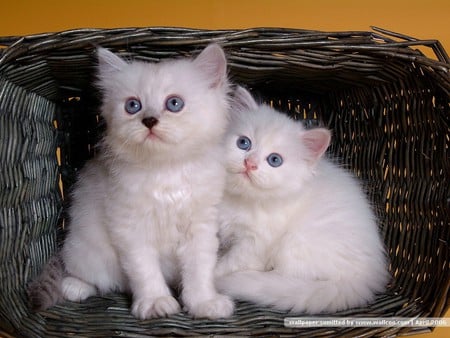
213	64
317	141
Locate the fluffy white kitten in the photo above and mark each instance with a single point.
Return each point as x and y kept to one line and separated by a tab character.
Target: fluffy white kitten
297	230
144	212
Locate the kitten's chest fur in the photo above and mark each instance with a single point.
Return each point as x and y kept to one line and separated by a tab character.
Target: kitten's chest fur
162	200
158	187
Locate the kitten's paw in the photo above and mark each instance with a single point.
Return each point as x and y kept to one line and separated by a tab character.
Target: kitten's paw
166	306
76	290
219	307
146	308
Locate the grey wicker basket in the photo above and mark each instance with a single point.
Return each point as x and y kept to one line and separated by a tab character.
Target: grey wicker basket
387	104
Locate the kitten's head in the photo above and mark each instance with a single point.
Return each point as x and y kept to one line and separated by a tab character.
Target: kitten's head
163	110
269	155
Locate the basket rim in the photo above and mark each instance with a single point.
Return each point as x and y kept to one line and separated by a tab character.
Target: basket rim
394	44
286	45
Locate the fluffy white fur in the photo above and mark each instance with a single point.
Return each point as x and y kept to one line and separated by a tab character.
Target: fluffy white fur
144	213
299	237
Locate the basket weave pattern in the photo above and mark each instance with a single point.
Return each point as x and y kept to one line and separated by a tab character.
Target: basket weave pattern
386	103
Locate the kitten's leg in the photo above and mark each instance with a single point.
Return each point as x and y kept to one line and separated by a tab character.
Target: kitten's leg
90	262
151	295
198	258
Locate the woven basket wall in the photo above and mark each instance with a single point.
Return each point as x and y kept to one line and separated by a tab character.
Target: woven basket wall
387	104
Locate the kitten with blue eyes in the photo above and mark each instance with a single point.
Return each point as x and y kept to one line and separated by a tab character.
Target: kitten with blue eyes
144	212
297	232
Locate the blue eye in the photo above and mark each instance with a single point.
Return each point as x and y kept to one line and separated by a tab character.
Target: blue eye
133	105
274	160
174	104
244	143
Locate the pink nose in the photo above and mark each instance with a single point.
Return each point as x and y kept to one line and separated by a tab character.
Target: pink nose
250	164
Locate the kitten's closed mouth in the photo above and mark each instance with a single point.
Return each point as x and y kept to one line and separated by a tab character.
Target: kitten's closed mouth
153	136
246	175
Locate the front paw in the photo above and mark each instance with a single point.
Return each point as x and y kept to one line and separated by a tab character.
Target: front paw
218	307
146	308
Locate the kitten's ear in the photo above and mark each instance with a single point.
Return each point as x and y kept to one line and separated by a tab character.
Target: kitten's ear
243	100
317	141
213	63
108	62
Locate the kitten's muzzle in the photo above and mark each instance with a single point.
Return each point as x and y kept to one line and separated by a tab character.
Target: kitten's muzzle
150	122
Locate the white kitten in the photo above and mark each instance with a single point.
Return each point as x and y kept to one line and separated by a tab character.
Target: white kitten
144	212
297	231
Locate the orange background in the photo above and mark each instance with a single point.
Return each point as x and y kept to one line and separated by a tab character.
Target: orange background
423	19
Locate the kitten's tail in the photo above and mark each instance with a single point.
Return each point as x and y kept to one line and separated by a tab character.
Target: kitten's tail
45	290
294	294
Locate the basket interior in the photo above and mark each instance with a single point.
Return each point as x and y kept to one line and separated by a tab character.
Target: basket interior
390	123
